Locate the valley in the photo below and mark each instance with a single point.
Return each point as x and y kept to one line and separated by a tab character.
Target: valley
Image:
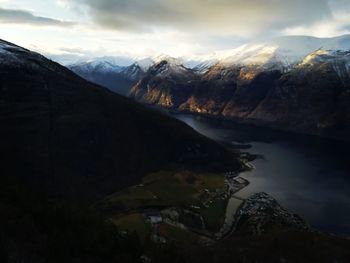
96	175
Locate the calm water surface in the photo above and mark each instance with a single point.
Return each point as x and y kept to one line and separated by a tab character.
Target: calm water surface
308	175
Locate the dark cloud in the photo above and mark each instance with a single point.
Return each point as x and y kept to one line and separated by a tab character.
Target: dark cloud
237	17
13	16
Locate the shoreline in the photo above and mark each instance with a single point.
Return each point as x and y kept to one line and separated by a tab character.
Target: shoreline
258	124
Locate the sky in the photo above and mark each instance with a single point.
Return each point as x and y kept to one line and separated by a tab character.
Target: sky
140	28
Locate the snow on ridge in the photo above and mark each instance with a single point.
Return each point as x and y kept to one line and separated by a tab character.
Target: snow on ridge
171	60
5	47
15	56
7	54
283	52
172	65
339	61
145	63
323	55
98	65
112	64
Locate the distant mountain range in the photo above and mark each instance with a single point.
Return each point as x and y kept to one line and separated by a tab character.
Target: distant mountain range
108	73
120	73
297	83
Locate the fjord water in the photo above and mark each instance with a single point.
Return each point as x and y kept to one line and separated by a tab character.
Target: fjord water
309	176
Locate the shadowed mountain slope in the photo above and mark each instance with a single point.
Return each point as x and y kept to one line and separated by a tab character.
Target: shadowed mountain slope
80	139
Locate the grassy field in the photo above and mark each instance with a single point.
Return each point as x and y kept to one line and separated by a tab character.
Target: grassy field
177	234
165	188
130	198
168	189
212	181
133	223
214	215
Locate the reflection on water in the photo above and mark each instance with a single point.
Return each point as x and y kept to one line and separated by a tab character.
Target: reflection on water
310	176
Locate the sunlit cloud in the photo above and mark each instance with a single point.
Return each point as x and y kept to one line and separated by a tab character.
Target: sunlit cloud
236	17
141	28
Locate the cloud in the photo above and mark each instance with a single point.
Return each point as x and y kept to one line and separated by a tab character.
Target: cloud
337	24
16	16
243	18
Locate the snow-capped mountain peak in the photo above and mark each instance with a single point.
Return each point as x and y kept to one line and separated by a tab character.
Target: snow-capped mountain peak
280	53
316	56
165	65
169	59
338	60
102	64
145	63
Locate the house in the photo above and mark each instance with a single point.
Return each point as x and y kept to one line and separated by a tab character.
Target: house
153	217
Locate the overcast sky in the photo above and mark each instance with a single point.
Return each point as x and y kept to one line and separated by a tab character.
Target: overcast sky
175	27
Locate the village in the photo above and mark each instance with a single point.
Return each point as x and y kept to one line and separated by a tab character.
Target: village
191	220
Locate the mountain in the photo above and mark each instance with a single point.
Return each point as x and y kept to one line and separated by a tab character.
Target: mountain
278	53
167	83
81	139
288	83
313	97
112	72
137	70
66	143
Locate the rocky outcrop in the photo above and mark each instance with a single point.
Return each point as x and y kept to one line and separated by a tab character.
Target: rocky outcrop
261	213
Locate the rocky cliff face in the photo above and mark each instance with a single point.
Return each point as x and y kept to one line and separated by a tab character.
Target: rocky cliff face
167	84
312	96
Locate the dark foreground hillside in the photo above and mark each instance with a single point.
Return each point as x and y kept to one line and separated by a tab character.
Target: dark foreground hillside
66	143
65	132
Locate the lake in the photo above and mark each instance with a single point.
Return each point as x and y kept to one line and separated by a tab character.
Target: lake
308	175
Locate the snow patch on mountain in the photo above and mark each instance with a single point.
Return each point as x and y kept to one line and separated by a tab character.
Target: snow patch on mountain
204	66
15	56
280	53
166	65
9	53
337	59
316	57
145	63
97	65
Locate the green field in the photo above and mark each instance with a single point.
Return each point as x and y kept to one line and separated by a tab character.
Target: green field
177	234
212	181
168	189
130	198
164	188
214	215
133	223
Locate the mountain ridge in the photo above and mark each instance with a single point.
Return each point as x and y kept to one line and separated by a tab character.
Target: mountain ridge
316	86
